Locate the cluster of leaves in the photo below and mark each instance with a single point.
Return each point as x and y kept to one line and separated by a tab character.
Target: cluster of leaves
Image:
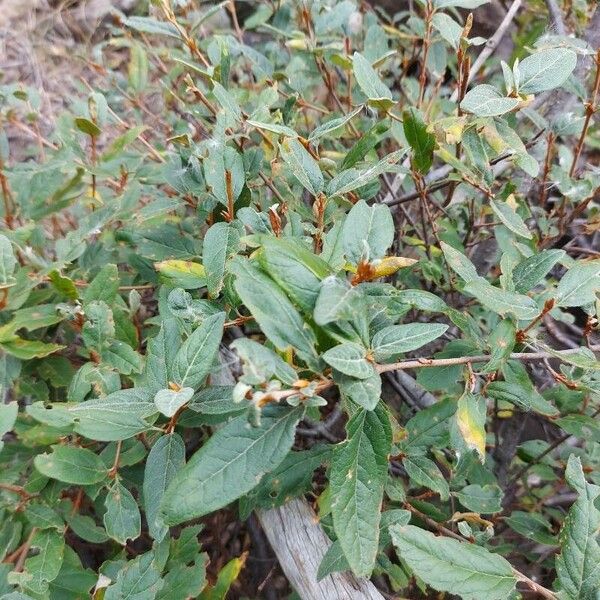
192	302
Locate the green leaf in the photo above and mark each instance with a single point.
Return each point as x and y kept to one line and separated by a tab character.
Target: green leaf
501	342
352	179
510	218
28	349
373	88
121	142
117	416
510	392
545	70
194	360
227	575
302	165
165	460
448	28
364	392
104	287
8	262
503	301
85	527
220	161
337	300
531	526
421	141
8	418
45	566
368	232
222	240
276	315
168	402
86	126
350	358
579	284
396	339
137	68
122	519
78	466
468	4
295	268
64	285
332	125
486	101
448	565
357	476
482	499
139	579
459	263
260	363
430	427
184	581
150	25
528	273
227	102
230	464
273	128
578	564
160	355
424	472
581	426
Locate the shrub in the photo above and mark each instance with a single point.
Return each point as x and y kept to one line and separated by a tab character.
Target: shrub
223	269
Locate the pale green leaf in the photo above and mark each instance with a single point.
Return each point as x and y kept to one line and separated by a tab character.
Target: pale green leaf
503	302
447	565
165	460
302	165
357	477
350	358
545	70
424	472
276	315
195	358
396	339
510	218
578	564
579	285
168	401
528	273
122	519
368	80
230	464
486	101
368	232
221	241
78	466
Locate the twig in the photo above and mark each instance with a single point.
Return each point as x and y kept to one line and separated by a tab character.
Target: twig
557	20
590	109
492	43
419	363
423	363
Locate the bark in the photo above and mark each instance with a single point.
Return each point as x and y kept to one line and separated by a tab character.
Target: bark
300	543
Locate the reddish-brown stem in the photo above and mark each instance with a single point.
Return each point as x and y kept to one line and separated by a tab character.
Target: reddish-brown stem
590	109
547	161
426	44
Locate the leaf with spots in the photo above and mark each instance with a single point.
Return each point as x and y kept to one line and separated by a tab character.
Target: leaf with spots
357	477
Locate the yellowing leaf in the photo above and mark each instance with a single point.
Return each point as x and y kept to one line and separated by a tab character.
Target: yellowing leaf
182	273
470	420
390	264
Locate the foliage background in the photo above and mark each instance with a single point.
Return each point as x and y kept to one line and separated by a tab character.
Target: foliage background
140	155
